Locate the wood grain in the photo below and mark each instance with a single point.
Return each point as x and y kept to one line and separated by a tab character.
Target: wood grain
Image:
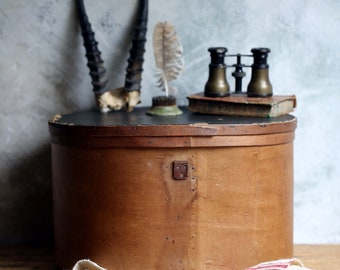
27	258
115	200
130	204
317	257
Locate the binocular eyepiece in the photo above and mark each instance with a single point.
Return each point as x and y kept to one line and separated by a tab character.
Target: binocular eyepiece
259	85
217	84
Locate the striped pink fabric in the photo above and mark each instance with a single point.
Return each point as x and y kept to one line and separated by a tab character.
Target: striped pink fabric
276	265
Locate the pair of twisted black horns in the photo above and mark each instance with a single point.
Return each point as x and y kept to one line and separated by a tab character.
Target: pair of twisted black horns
95	63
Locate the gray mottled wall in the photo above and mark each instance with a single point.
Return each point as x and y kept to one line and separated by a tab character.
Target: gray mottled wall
43	72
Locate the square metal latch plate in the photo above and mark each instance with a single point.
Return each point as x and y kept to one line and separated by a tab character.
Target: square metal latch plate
180	170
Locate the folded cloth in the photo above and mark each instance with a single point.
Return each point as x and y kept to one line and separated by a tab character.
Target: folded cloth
87	265
289	264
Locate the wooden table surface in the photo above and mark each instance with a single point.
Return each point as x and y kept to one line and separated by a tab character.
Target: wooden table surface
317	257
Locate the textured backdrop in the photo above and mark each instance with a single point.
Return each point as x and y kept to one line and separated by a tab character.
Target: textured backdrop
43	72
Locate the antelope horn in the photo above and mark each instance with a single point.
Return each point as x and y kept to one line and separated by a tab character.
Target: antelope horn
134	69
129	95
93	55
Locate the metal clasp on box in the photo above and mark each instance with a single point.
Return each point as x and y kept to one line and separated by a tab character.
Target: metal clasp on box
180	170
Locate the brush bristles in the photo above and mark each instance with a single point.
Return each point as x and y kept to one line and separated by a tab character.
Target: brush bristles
164	101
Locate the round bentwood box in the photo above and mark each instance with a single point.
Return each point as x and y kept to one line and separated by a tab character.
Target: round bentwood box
133	191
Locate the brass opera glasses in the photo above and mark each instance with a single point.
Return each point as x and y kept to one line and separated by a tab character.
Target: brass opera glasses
259	85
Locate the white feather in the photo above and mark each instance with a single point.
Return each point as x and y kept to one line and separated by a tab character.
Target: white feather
87	265
168	55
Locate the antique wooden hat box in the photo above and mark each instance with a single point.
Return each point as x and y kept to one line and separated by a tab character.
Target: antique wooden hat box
193	191
119	201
